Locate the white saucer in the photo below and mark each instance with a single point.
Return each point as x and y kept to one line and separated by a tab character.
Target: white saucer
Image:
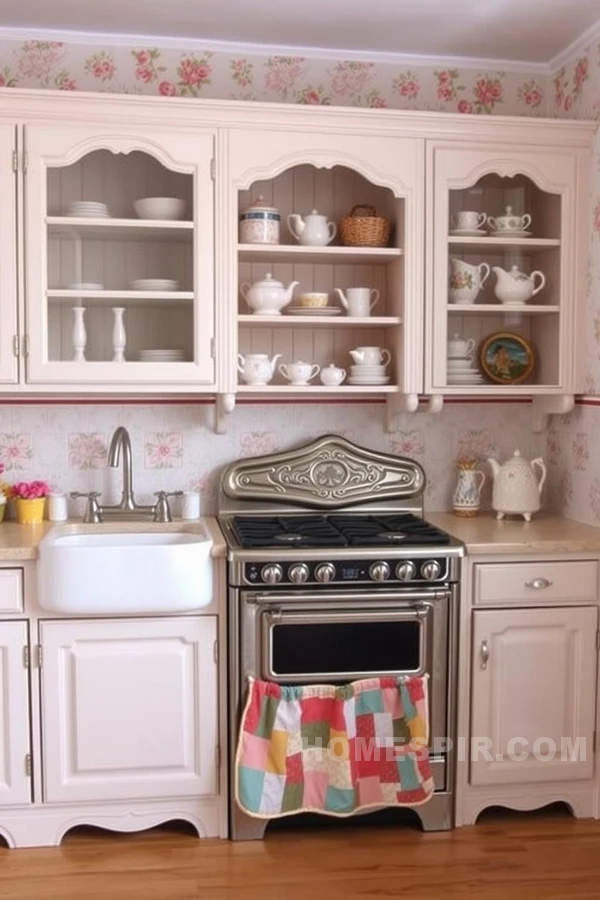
86	286
468	232
312	311
357	379
465	379
460	356
154	284
461	370
511	234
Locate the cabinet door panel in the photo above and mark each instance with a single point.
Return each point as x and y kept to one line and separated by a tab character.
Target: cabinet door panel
8	254
129	708
15	784
534	678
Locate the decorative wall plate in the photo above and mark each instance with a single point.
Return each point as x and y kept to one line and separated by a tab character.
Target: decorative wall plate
506	358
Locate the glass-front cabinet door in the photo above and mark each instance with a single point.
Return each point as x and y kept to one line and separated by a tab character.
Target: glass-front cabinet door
119	256
9	166
503	285
327	273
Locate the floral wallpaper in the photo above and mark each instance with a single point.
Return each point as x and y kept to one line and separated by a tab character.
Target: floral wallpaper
288	79
174	446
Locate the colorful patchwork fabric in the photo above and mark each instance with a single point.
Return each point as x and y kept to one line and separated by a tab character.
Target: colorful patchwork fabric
333	750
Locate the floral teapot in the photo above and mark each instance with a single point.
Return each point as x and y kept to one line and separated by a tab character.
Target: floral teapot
312	230
517	491
257	368
515	286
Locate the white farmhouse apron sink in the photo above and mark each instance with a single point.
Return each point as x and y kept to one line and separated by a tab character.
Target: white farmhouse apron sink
116	569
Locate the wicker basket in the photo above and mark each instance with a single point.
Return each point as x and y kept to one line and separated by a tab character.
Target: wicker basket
366	230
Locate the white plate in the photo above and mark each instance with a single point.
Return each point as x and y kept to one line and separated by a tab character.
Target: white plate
154	284
91	214
452	356
511	234
464	380
312	311
462	370
468	232
354	379
86	286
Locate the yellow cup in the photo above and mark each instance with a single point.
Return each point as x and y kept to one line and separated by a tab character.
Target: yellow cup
30	512
314	299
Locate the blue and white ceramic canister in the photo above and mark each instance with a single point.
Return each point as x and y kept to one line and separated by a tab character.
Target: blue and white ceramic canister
259	224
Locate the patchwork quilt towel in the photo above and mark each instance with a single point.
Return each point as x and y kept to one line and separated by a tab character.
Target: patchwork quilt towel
333	750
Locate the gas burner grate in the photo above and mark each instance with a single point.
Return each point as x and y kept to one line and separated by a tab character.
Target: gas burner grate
395	530
286	531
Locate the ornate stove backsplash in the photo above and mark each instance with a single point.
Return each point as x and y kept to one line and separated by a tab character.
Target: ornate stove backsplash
174	445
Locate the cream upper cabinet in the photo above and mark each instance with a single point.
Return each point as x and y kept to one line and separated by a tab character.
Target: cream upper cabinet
15	768
533	691
129	708
506	229
118	293
9	372
330	172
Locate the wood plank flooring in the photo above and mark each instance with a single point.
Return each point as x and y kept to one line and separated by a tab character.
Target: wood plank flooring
505	857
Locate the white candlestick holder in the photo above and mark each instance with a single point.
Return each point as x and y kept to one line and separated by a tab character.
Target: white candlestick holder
79	335
119	335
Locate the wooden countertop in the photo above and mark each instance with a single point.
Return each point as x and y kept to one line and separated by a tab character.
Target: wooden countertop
484	534
20	542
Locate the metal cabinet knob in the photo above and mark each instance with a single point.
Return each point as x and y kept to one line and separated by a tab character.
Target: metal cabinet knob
484	654
538	584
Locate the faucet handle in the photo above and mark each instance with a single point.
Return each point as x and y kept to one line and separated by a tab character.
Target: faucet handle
162	510
93	511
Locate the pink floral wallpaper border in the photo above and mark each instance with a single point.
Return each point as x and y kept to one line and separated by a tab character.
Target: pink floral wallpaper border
288	79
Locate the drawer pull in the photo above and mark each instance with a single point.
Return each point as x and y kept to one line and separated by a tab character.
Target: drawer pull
484	654
538	584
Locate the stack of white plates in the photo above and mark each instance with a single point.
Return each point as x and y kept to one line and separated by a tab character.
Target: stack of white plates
162	356
461	370
368	374
88	209
86	286
154	284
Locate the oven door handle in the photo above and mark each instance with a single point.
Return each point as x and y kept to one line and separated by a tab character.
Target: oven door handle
276	615
400	597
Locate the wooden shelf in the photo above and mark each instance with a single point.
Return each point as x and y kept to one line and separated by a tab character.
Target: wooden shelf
120	229
499	390
500	309
316	321
490	242
325	255
128	298
315	389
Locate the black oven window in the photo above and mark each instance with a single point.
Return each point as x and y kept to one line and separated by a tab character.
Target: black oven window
320	649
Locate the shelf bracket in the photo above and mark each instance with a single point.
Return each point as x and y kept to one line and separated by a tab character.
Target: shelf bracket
545	406
400	404
224	406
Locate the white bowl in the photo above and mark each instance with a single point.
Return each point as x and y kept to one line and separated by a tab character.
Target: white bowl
159	208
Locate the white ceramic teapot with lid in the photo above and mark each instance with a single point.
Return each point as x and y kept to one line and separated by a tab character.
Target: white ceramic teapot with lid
515	286
257	368
267	297
517	491
313	230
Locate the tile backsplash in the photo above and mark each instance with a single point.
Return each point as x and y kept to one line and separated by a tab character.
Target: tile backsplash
174	446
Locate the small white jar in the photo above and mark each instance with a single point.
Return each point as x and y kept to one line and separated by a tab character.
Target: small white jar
57	508
190	505
259	224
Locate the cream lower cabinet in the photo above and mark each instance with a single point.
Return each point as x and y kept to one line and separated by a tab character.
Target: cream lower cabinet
129	708
15	766
533	695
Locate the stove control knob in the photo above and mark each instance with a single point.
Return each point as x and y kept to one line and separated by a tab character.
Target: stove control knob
379	571
325	572
271	574
431	570
298	573
406	571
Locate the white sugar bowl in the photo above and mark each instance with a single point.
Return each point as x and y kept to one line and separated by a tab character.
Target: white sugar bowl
332	375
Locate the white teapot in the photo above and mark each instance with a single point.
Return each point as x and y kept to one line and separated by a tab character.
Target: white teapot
517	491
267	297
515	286
313	230
257	368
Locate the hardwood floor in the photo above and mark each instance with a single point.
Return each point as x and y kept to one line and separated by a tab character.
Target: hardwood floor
505	857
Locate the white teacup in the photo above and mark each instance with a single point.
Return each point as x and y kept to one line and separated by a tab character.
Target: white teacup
313	299
509	222
299	372
371	356
332	376
468	220
358	301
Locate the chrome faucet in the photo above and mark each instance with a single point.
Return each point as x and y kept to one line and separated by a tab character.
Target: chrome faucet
120	445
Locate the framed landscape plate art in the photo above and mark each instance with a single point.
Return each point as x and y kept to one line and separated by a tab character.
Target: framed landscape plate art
506	358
